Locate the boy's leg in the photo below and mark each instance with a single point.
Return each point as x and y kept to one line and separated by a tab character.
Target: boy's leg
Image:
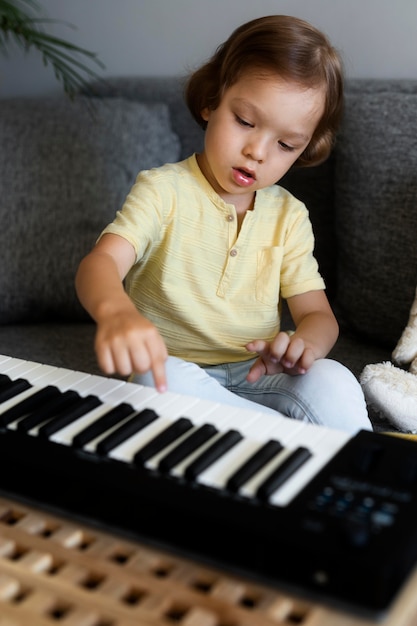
328	394
189	379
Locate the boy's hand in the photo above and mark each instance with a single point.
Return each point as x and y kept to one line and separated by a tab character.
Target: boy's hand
286	353
126	343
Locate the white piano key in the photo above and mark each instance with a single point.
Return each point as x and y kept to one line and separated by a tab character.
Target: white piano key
70	380
8	362
124	392
4	360
161	402
99	386
17	368
266	426
47	375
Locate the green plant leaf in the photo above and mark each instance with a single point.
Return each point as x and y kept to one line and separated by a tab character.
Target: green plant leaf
20	21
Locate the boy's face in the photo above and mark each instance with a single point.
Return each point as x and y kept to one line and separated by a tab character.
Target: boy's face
257	132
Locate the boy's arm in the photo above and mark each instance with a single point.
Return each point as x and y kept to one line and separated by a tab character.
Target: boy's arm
316	333
126	341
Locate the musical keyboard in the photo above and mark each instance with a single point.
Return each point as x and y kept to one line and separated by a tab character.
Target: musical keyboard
275	499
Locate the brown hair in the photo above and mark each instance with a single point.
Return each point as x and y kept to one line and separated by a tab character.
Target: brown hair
283	45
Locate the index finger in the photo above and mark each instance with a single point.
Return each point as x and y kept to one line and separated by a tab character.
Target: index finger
159	376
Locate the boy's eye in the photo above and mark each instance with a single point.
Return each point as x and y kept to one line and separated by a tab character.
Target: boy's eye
243	122
285	146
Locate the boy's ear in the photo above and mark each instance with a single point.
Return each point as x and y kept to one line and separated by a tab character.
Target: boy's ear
205	114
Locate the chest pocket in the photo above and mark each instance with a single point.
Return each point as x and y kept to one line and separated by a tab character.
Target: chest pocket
269	262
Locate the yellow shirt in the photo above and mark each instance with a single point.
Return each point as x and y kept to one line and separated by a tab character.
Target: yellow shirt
208	289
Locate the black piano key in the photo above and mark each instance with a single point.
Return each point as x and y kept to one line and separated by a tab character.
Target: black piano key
212	454
12	388
30	404
256	462
76	410
187	447
162	440
48	410
102	424
126	430
283	472
4	380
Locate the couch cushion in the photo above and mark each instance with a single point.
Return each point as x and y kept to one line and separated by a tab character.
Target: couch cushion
314	187
65	168
167	89
376	199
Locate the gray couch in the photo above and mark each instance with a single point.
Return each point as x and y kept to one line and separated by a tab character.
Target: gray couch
64	172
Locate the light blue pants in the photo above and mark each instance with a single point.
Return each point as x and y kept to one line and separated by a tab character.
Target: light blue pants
328	394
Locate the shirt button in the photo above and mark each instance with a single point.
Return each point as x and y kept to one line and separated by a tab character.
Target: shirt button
233	252
230	218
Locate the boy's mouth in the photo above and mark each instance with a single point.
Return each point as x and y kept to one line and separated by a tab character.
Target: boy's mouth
246	173
244	177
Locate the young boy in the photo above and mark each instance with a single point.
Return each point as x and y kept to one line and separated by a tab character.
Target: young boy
209	246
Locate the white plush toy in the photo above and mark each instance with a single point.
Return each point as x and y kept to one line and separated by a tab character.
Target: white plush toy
391	390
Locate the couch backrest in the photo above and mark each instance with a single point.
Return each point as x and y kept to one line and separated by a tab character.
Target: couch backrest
63	174
376	208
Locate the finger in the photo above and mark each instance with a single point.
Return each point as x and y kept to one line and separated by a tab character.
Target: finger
302	365
293	353
157	356
159	377
104	355
258	345
307	359
279	346
257	370
105	361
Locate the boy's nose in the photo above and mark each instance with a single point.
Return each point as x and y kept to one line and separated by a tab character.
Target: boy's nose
256	149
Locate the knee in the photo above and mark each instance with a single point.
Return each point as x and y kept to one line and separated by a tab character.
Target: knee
336	379
345	402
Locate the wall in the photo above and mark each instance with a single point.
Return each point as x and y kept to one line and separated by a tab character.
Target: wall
377	38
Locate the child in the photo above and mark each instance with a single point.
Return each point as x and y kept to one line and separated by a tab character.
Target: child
209	246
